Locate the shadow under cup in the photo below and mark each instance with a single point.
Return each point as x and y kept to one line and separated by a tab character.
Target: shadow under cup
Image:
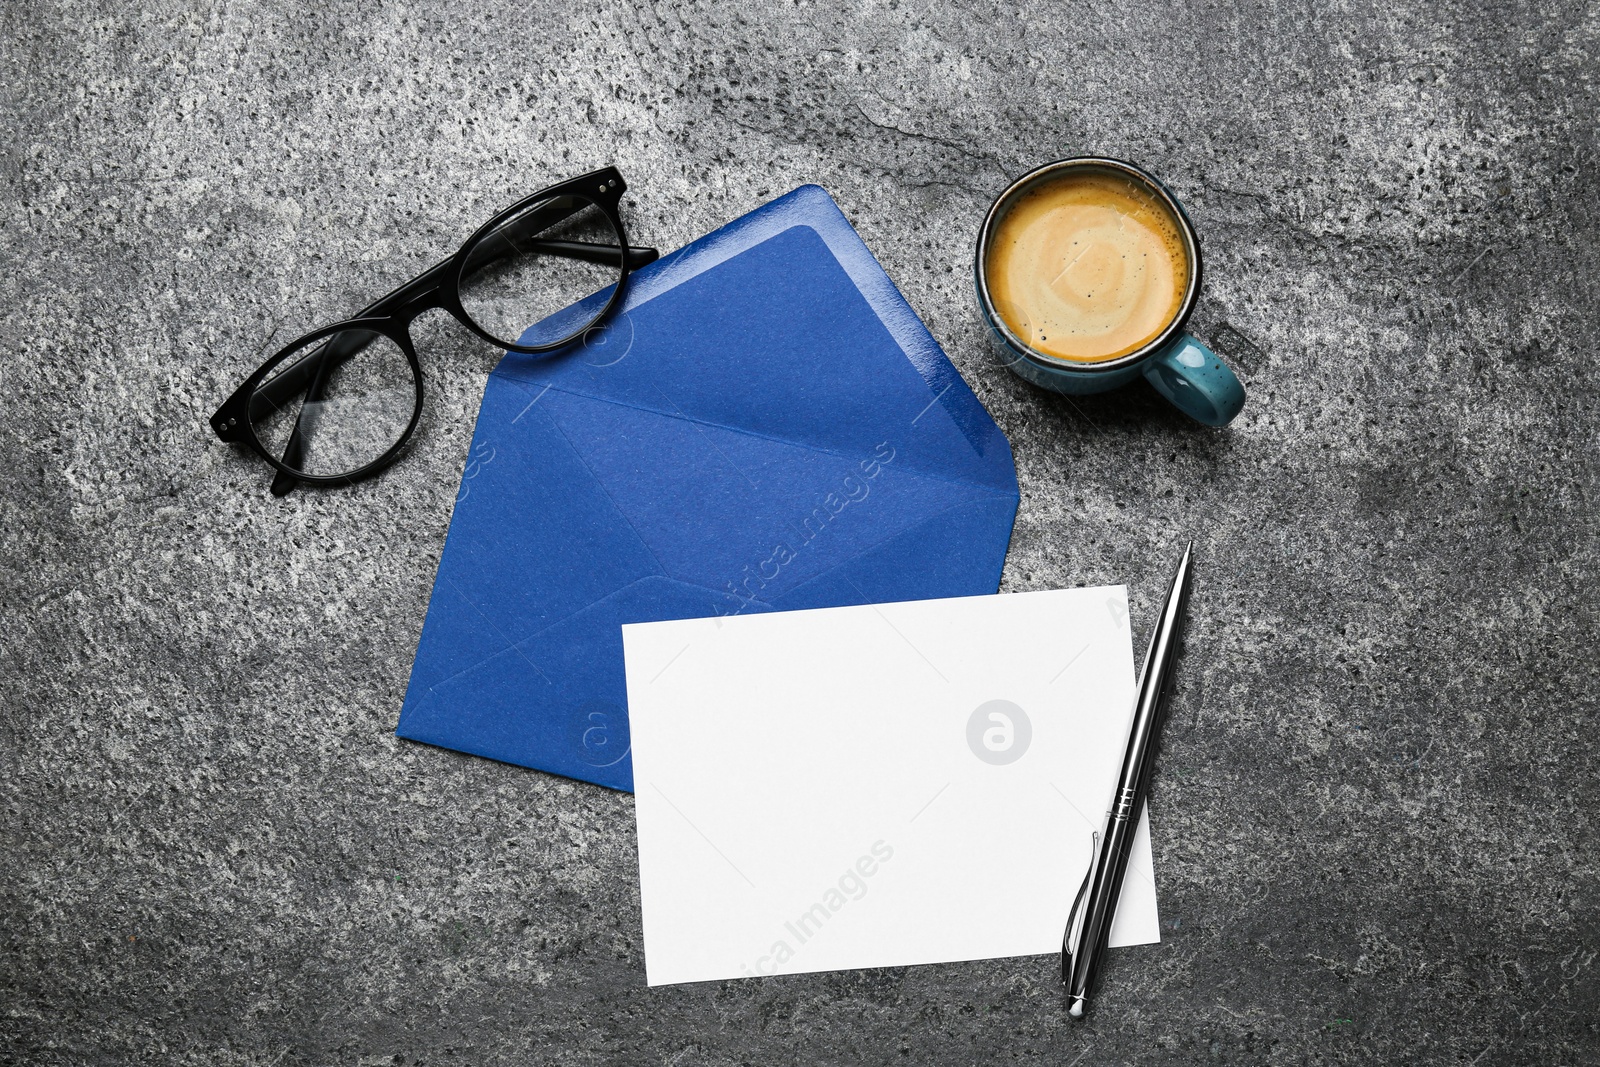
1179	367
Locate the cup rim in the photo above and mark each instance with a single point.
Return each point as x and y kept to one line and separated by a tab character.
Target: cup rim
1034	177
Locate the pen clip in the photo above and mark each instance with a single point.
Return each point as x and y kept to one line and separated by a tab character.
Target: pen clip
1071	941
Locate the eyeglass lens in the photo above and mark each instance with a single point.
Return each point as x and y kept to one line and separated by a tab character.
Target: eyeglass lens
535	264
357	411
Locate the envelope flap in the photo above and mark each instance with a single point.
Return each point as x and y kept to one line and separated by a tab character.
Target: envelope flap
784	328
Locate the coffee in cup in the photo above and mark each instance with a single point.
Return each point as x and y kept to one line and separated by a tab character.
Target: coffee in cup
1087	270
1088	267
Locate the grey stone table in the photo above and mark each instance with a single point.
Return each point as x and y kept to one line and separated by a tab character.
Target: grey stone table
1375	819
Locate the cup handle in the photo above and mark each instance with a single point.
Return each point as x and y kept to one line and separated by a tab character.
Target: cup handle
1196	381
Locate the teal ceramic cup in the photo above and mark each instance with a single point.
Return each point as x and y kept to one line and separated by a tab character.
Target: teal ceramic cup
1179	367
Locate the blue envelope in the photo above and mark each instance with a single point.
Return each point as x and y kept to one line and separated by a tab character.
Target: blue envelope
764	425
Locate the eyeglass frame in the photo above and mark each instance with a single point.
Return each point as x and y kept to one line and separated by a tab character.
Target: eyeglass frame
391	316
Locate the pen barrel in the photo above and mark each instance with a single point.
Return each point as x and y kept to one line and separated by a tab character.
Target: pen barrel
1104	887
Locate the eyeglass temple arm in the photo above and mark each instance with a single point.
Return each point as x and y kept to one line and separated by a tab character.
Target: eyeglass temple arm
606	255
327	357
519	234
488	251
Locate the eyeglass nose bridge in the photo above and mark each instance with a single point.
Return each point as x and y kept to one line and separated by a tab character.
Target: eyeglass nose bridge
422	293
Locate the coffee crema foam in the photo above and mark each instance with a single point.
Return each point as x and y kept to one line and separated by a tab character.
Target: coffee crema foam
1087	267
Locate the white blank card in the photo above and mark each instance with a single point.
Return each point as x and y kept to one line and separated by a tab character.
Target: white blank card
878	786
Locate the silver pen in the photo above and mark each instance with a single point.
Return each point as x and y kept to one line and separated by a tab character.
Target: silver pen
1089	924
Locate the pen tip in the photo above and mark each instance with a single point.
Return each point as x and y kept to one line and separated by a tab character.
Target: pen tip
1076	1011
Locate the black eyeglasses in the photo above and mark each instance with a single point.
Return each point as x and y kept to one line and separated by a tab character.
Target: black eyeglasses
340	403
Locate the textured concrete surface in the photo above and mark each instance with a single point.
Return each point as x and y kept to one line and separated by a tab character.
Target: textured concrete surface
1375	822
